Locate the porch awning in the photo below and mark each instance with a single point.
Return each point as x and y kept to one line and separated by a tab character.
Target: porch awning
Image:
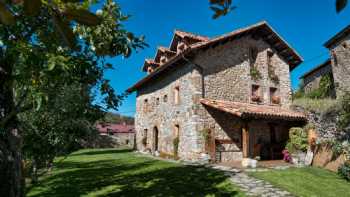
247	110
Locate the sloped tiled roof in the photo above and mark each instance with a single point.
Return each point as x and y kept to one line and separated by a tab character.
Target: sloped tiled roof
326	63
184	34
338	37
262	29
247	110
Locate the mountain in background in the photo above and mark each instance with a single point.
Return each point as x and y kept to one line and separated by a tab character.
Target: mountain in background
118	119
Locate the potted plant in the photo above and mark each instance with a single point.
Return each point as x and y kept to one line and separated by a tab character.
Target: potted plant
256	98
276	100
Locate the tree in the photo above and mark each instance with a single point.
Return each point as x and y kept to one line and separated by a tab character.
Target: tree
59	126
46	45
223	7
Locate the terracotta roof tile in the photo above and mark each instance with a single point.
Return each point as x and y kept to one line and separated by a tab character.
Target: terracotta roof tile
247	110
183	34
293	57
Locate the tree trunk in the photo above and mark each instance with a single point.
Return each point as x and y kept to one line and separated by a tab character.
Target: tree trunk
11	172
34	176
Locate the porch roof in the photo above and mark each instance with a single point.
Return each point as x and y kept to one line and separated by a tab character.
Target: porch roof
247	110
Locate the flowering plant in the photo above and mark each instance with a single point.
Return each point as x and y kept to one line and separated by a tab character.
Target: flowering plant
286	156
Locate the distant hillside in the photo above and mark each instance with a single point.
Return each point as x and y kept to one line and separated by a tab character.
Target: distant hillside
118	119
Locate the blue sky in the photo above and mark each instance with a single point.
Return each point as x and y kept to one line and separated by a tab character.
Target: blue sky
304	24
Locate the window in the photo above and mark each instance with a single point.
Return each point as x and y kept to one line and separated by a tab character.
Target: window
345	45
176	131
255	97
145	105
144	137
163	59
269	58
165	98
157	101
274	98
177	95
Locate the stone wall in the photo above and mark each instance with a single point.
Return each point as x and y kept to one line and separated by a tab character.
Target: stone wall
162	113
312	81
340	55
222	73
227	72
227	77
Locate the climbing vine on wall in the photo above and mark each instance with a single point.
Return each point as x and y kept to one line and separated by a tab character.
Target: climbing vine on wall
255	73
272	74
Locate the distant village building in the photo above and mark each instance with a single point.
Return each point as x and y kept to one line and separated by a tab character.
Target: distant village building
337	67
227	97
123	134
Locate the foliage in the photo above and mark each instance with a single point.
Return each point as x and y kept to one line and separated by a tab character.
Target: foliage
205	134
58	127
176	142
306	181
340	5
272	75
344	115
44	51
344	171
326	86
255	73
317	105
324	90
297	140
221	7
120	172
49	45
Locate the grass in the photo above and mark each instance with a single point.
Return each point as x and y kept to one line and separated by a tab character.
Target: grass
111	172
308	182
317	105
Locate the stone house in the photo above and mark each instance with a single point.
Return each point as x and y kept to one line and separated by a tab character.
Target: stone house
337	66
227	97
121	134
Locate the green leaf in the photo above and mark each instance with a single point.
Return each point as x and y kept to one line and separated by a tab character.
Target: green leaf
32	7
6	16
82	16
340	5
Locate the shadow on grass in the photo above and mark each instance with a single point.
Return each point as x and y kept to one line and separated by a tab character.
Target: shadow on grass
101	152
124	174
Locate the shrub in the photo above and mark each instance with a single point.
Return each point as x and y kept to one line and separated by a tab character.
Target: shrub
297	140
272	75
344	171
255	73
317	105
344	115
176	146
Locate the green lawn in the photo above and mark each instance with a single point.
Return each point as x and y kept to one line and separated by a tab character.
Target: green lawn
111	172
308	182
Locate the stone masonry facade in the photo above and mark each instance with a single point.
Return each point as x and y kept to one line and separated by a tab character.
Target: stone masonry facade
338	66
340	56
169	105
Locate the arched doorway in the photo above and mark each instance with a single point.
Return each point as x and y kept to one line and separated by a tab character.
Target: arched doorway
155	139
